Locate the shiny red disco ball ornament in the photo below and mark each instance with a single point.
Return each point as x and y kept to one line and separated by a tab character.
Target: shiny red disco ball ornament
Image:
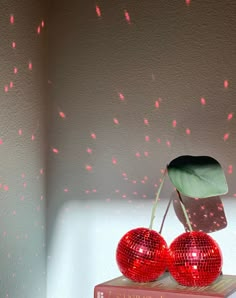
195	259
142	255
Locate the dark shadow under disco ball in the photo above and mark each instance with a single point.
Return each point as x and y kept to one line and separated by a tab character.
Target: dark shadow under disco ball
195	259
142	255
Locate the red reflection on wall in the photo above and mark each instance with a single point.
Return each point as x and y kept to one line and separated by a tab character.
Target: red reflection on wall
174	123
98	11
226	136
121	96
230	116
203	101
230	169
62	115
226	84
127	16
12	19
188	131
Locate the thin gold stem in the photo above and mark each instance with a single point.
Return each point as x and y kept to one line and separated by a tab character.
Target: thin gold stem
164	217
156	200
185	212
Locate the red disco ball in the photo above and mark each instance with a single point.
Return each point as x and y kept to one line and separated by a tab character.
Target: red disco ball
142	255
195	259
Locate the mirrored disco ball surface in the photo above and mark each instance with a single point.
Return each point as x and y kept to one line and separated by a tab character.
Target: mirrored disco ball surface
142	255
195	259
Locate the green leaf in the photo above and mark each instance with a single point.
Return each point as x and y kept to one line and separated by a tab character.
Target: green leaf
197	176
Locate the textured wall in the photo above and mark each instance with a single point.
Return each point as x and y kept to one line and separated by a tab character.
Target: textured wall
128	96
22	150
133	84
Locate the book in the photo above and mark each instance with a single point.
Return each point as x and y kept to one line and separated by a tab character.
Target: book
165	287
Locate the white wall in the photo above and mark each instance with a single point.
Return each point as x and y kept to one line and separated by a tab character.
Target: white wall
22	150
87	232
109	139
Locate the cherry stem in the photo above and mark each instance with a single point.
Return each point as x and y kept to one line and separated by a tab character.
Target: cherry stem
164	217
157	199
184	211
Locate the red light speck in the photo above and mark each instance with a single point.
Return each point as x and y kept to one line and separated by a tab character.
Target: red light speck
6	88
98	11
124	174
174	123
32	137
157	104
42	24
230	169
13	44
114	161
11	84
127	16
146	122
55	150
20	132
62	115
159	140
116	121
226	84
12	19
88	168
187	2
89	150
15	70
30	66
93	136
121	96
6	187
226	136
203	101
66	189
1	141
168	143
188	131
137	154
147	138
146	153
38	29
230	116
